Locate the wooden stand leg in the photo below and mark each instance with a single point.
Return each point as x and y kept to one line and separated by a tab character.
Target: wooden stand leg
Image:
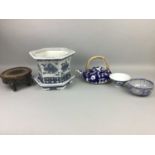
29	81
13	86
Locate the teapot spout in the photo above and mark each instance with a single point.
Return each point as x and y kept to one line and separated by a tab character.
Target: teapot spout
79	71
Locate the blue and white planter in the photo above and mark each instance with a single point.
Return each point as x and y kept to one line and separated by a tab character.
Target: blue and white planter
54	69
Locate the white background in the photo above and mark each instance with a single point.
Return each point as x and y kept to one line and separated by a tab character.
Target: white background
123	42
80	9
81	108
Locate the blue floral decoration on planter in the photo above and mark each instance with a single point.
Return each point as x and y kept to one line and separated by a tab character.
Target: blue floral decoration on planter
49	68
64	66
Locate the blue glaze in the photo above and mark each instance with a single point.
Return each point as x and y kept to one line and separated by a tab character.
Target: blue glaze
64	66
97	75
49	80
49	68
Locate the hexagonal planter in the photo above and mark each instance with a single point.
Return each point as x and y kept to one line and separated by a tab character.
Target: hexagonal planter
54	69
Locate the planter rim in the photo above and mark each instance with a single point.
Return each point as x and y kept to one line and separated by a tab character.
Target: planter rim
36	54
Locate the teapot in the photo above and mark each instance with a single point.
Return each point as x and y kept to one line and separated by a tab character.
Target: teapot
96	75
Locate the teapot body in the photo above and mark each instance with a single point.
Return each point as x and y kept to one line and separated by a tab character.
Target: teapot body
97	75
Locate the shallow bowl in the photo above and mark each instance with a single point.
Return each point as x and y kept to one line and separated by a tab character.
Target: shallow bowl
140	87
120	78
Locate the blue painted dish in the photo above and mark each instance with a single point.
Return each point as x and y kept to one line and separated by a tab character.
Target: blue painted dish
96	75
140	87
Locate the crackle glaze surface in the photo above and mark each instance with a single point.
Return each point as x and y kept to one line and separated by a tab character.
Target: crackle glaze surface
140	87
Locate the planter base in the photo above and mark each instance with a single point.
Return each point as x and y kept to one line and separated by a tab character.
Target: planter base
57	86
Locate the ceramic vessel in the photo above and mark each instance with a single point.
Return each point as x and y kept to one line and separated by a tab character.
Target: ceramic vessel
140	87
96	75
120	78
54	70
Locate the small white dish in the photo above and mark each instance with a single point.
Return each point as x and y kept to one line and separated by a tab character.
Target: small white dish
120	78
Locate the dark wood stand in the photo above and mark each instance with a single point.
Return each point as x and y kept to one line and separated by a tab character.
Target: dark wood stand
16	76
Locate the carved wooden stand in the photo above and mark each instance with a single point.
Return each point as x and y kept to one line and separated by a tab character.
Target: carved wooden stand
16	76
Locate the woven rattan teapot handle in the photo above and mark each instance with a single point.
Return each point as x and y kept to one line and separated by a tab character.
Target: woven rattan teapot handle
97	57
